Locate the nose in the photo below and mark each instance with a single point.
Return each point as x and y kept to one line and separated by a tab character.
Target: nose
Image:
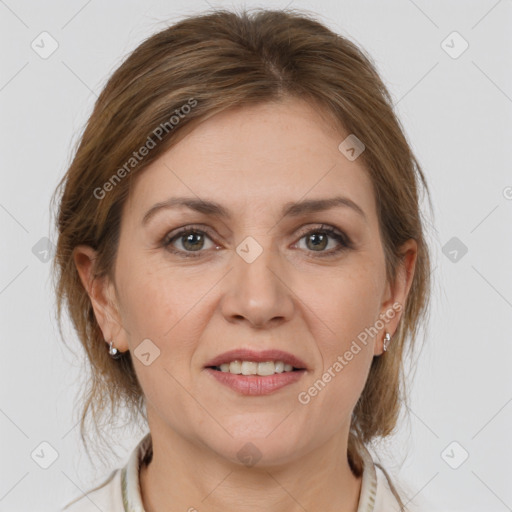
258	291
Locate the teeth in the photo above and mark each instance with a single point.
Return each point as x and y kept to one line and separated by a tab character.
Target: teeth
267	368
233	367
249	368
253	368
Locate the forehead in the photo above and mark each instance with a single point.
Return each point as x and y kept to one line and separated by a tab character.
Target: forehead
263	156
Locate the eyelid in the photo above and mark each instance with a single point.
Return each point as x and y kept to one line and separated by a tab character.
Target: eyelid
308	228
176	233
343	240
340	236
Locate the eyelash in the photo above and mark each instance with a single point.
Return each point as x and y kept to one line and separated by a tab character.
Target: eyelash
343	240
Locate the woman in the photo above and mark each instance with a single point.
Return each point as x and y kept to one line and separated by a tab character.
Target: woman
242	253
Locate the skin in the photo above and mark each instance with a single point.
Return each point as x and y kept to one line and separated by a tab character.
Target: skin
252	160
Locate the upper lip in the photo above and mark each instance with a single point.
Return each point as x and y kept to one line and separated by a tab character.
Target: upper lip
258	357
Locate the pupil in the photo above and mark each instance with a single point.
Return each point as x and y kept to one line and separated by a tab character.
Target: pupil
189	238
316	236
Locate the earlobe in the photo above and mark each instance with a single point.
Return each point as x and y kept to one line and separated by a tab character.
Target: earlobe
99	292
397	293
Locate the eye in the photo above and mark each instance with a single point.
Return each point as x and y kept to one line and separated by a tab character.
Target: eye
318	239
191	239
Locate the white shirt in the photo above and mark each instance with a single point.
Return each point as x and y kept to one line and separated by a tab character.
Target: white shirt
120	492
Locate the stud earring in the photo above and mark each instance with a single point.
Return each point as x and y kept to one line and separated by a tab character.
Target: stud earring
114	352
387	339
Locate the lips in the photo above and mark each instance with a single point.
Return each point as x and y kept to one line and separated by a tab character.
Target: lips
257	357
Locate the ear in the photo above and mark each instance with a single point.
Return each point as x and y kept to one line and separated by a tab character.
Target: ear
102	296
397	292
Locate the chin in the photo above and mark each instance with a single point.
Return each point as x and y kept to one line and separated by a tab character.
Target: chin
251	446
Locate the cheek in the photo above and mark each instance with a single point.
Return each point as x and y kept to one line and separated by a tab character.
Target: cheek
348	306
345	308
347	303
150	305
165	306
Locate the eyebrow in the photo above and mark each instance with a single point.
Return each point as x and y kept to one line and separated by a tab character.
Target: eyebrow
290	209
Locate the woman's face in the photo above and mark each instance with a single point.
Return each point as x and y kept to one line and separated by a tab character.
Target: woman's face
263	276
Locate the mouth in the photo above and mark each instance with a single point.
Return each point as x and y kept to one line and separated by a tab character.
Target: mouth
250	362
256	373
263	369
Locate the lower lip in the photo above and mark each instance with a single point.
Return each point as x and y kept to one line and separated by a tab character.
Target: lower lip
256	384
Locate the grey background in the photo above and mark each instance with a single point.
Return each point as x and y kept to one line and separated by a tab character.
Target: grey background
457	113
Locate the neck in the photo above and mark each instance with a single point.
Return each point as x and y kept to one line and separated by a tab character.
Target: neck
184	476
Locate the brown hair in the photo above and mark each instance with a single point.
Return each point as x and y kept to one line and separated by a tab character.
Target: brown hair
213	62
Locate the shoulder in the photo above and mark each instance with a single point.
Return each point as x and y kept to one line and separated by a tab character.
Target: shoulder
105	496
385	499
120	491
379	491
